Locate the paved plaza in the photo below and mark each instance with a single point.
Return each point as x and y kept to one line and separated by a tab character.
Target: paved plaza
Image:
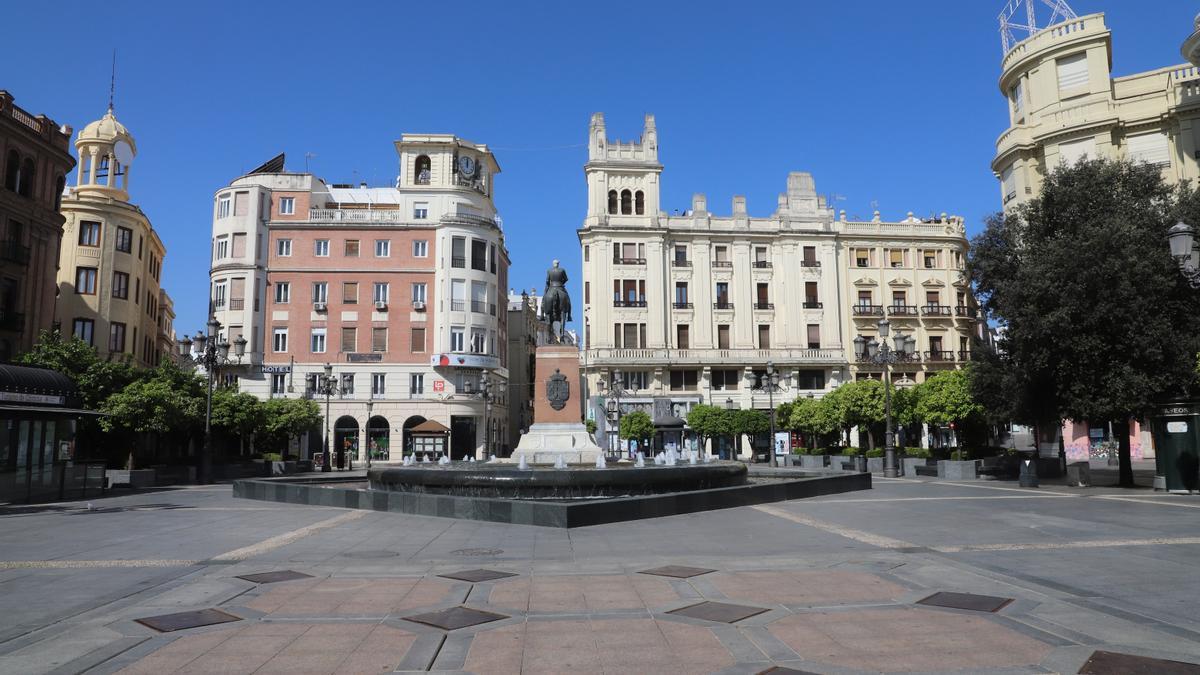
837	584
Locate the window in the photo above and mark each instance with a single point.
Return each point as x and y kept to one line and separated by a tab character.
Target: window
1070	153
626	202
764	336
762	296
1072	72
321	248
421	249
683	380
239	247
682	336
492	258
478	341
810	379
222	251
420	210
417	342
287	206
681	294
120	285
457	336
320	291
633	380
723	336
458	295
283	248
862	257
722	294
479	293
219	293
139	247
458	252
864	298
479	255
1008	183
639	203
378	384
383	248
814	336
612	202
722	254
116	337
587	254
241	201
810	257
223	206
350	292
681	258
347	384
279	340
896	257
933	298
283	292
379	339
418	292
380	292
899	299
349	339
587	292
811	297
1150	148
351	248
416	385
89	233
85	280
124	242
317	344
84	329
725	379
278	383
760	257
1016	95
935	343
932	259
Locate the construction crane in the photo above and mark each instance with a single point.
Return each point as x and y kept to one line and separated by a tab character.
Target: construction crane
1059	11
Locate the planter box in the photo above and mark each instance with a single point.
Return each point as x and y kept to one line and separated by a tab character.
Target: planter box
814	461
137	478
875	464
837	461
956	470
1079	474
909	465
283	468
174	475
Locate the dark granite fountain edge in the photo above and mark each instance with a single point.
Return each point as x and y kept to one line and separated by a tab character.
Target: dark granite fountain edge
547	514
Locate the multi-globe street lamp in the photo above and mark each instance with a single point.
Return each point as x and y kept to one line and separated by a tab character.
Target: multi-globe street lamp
211	353
612	395
878	352
769	382
1182	240
327	385
487	396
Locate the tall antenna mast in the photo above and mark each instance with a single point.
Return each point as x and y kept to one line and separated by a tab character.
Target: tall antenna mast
1059	11
112	83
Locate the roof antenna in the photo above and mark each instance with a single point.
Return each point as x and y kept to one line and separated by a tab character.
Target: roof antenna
112	83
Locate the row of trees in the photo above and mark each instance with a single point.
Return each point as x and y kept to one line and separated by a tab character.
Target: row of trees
157	414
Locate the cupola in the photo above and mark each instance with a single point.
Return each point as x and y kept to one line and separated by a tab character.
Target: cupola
106	151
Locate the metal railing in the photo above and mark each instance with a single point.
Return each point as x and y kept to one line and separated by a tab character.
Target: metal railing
681	263
939	356
236	304
704	356
681	305
963	310
764	305
762	264
813	304
629	261
722	263
458	305
478	306
902	310
810	263
863	309
458	261
722	305
629	303
936	310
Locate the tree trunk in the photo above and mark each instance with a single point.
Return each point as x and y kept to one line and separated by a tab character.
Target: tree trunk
1124	452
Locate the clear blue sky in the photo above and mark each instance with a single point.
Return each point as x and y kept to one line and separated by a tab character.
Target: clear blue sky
894	102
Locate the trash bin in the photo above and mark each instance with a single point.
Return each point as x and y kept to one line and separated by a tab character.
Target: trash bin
1176	429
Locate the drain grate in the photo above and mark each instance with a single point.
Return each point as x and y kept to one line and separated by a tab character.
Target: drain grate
476	552
721	612
166	623
455	618
475	576
975	603
370	554
677	571
783	670
274	577
1112	663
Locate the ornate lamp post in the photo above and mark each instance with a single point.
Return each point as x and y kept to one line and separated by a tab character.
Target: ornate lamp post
487	396
1182	240
733	441
367	428
770	382
210	354
613	395
327	384
878	352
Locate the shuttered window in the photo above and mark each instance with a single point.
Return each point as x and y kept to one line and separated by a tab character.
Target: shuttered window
417	343
1072	152
1009	182
1017	94
379	339
239	245
349	339
1150	148
1072	72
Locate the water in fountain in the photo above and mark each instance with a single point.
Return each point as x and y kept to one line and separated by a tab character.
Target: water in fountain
443	460
425	458
671	458
640	461
691	456
560	462
659	460
470	458
521	464
600	463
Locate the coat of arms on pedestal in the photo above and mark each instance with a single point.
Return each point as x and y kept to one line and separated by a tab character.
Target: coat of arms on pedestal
558	390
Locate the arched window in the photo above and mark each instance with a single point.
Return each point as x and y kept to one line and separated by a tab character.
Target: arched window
25	185
421	170
626	202
639	203
59	186
612	201
12	168
102	169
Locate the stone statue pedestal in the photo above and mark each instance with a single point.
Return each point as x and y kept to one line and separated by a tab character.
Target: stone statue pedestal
557	429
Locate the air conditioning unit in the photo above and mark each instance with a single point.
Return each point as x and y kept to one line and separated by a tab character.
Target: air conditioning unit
418	305
380	305
319	307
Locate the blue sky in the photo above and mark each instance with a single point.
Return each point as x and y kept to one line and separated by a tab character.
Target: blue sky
883	101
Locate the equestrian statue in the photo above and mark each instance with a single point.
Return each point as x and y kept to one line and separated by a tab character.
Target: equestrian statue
556	304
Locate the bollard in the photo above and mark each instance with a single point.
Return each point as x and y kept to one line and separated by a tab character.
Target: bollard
1029	477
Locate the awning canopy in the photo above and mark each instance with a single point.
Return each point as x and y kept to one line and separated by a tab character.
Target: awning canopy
73	412
669	422
430	427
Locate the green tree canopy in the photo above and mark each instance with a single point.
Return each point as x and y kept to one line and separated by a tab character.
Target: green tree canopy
236	413
284	418
636	426
96	379
945	398
709	421
750	422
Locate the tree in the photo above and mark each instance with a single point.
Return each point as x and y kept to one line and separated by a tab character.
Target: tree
1098	322
237	414
637	426
812	417
708	422
945	399
71	356
750	422
285	418
590	426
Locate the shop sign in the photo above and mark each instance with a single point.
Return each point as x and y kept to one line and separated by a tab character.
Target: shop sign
18	397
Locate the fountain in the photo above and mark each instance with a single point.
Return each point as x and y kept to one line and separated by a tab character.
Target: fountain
640	461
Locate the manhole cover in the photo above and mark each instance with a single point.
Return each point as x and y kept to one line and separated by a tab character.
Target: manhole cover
476	576
274	577
370	554
166	623
472	552
677	571
976	603
721	612
1112	663
456	617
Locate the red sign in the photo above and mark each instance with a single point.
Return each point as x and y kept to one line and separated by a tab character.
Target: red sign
439	385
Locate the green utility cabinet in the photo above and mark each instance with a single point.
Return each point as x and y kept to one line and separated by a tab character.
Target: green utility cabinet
1176	430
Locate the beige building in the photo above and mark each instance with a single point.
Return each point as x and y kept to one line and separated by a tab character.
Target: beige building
110	264
695	307
1065	105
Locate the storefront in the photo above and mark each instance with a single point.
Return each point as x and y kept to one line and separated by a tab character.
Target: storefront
38	414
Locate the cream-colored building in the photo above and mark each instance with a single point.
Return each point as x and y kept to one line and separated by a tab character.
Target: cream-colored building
110	263
680	309
1064	105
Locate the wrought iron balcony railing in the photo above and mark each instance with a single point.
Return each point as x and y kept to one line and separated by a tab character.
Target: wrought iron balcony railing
863	309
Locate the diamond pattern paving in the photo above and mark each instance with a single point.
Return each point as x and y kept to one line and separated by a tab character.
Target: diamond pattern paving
476	576
274	577
165	623
1112	663
677	571
455	618
976	603
721	612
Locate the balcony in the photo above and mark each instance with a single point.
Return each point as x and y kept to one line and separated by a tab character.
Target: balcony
629	261
722	263
458	305
964	311
964	356
237	304
681	305
478	306
629	303
762	264
744	357
14	252
863	309
10	320
764	305
810	263
722	305
902	310
939	356
813	304
936	310
681	263
356	215
458	261
218	303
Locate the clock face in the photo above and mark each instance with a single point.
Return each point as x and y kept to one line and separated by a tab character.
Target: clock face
466	165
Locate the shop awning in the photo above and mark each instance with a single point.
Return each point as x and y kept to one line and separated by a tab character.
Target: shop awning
74	412
430	427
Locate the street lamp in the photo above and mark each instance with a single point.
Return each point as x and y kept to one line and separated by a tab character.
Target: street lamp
615	390
367	428
733	440
327	384
770	382
487	395
1182	240
211	352
877	352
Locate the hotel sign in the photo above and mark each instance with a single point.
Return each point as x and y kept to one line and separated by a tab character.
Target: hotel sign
276	369
17	397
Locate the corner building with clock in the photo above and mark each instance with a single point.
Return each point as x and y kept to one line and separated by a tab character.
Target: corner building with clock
397	288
